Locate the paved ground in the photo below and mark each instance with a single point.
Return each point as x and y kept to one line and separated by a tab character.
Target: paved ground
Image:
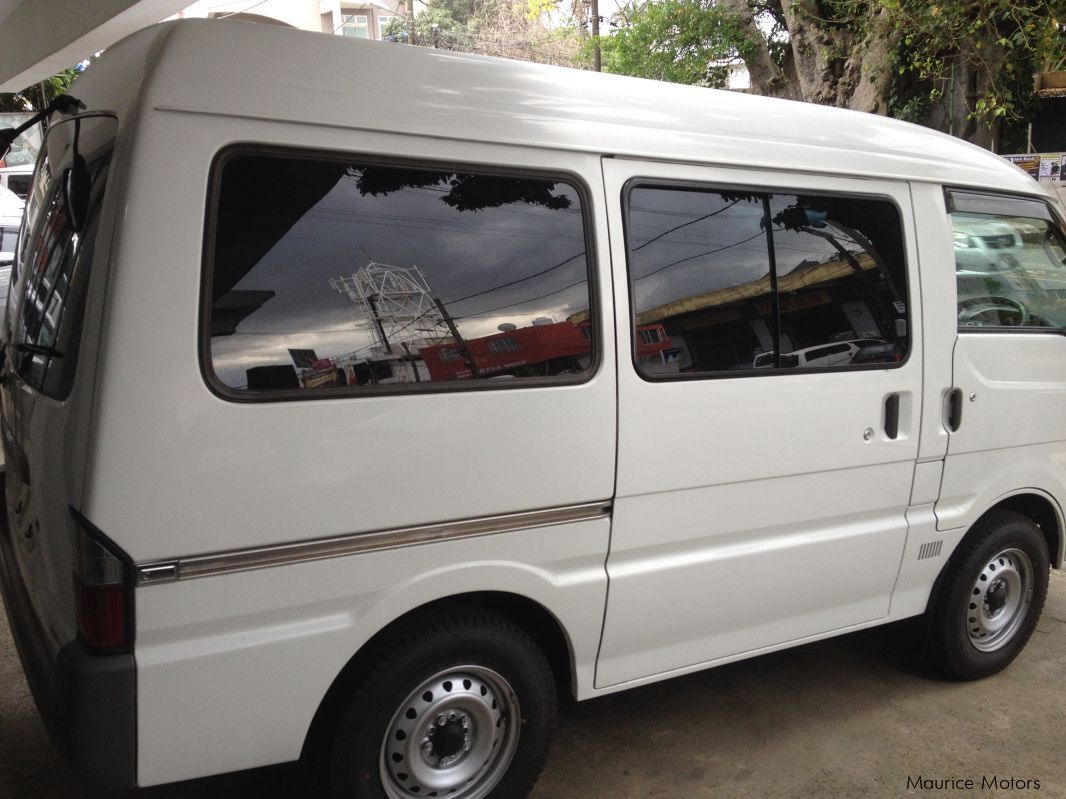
846	717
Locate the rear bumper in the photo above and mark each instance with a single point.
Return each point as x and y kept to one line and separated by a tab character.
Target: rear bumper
87	702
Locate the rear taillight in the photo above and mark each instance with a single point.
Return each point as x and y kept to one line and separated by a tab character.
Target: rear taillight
102	593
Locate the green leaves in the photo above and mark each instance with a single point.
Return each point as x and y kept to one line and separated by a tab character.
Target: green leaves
999	41
680	41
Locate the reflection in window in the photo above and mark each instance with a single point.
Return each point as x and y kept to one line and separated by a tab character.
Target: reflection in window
730	280
330	274
54	262
1010	271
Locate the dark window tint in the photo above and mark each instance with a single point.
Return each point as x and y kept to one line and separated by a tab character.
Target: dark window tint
339	273
731	280
53	267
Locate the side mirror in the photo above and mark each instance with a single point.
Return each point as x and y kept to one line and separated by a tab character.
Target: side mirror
76	186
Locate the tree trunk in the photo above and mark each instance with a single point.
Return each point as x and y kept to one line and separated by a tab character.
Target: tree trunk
824	64
767	78
954	114
868	70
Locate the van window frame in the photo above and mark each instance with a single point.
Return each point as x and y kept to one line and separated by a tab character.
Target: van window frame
763	372
963	199
225	392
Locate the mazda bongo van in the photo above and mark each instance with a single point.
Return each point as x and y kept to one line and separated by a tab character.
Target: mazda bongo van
359	398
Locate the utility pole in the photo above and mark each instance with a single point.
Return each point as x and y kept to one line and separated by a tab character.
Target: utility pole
372	301
463	349
410	8
596	65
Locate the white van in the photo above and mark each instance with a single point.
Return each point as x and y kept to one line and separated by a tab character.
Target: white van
267	285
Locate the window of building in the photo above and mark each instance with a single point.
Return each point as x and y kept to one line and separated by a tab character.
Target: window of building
501	345
355	25
358	275
1010	263
384	20
652	335
759	281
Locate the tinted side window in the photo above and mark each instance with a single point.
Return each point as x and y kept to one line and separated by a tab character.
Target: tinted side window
328	274
1010	266
761	281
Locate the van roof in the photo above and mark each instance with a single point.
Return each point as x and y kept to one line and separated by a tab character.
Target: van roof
257	71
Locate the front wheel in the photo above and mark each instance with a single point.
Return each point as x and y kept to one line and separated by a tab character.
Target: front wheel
991	597
462	706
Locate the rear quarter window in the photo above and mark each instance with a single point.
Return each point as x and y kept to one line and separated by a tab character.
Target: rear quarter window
330	276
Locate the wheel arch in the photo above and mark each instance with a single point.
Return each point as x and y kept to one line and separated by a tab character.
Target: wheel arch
1044	511
540	623
1034	504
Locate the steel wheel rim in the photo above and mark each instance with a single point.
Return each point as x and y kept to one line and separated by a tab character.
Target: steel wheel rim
999	600
452	736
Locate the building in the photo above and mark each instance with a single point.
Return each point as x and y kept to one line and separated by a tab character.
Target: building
360	19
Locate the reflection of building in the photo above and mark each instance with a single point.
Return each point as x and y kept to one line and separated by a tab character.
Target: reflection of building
835	300
538	350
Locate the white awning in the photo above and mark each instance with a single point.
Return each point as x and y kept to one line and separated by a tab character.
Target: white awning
39	38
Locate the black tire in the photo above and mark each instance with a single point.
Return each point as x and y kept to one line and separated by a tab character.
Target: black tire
990	599
479	673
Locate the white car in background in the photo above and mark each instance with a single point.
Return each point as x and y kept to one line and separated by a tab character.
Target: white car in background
820	356
17	179
986	245
10	220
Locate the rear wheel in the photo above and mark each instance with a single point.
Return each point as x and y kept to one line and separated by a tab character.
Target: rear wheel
461	706
991	597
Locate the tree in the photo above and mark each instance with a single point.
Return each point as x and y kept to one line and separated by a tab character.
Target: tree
39	95
905	57
490	27
681	41
967	68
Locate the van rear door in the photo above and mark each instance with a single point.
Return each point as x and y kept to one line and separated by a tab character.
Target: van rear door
46	397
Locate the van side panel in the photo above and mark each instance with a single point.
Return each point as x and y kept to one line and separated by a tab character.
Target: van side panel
263	473
300	624
178	471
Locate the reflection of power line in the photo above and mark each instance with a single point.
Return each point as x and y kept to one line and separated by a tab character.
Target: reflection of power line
519	280
523	301
685	224
291	332
700	255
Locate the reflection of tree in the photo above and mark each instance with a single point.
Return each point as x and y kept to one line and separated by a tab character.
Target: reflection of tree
465	192
802	218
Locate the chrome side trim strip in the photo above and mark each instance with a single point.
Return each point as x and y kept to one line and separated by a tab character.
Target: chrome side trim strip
356	543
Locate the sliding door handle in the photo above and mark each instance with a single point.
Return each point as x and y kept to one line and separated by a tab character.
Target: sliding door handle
953	410
892	417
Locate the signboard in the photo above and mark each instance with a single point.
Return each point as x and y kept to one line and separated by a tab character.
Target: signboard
1046	166
1030	163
